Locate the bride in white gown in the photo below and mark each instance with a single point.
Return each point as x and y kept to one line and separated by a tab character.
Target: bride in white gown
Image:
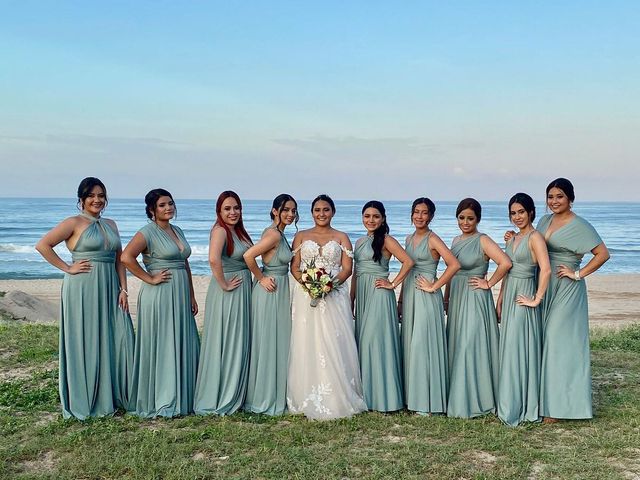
324	375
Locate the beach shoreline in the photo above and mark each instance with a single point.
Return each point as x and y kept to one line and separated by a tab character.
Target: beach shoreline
614	299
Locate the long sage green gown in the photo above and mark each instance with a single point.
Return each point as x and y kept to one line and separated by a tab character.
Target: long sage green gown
270	337
224	363
96	335
377	332
424	338
565	390
167	343
520	340
472	336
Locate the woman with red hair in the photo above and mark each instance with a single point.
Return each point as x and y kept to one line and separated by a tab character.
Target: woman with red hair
224	359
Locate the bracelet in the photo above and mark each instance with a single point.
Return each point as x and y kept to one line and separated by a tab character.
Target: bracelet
576	275
393	285
125	291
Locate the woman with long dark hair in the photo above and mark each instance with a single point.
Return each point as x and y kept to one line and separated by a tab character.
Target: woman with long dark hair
423	328
96	334
472	324
521	292
324	376
167	343
376	313
271	312
224	363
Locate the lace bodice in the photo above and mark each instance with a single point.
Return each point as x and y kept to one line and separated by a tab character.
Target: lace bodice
328	256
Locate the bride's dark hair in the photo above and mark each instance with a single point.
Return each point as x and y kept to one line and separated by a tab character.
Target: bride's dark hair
325	198
380	232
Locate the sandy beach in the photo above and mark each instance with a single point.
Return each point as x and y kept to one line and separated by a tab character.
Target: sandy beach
614	300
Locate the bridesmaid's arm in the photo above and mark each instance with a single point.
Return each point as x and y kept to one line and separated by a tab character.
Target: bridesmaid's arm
353	291
347	261
268	242
500	299
450	260
501	259
600	256
216	245
539	248
395	249
129	256
121	270
194	303
61	232
406	241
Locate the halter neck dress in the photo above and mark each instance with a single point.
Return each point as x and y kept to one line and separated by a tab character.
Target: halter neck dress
224	364
472	336
377	332
96	335
424	341
520	340
270	336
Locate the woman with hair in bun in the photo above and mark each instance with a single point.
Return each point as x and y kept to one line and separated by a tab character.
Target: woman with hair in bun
521	292
224	363
96	334
472	325
167	343
376	313
423	327
565	390
271	312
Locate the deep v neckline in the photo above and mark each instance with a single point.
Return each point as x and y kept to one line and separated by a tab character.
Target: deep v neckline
415	245
547	237
178	244
515	245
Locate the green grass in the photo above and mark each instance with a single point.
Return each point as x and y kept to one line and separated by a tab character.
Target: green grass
35	442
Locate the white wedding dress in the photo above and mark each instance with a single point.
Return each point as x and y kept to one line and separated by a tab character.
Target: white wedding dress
324	373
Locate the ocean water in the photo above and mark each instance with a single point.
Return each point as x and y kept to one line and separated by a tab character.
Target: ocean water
23	221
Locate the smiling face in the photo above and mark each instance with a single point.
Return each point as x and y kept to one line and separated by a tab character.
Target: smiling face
165	209
467	221
372	219
230	211
322	213
288	214
420	217
519	216
557	201
95	201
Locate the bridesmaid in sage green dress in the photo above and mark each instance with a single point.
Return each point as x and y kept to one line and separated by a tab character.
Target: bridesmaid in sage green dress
423	327
376	312
96	334
224	364
521	292
472	327
167	343
565	390
271	313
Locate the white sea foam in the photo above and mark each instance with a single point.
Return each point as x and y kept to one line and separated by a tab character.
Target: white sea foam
12	247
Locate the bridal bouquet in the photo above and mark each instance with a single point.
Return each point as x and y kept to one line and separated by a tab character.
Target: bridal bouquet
317	282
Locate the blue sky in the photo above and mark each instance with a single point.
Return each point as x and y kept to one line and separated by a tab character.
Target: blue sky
358	99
